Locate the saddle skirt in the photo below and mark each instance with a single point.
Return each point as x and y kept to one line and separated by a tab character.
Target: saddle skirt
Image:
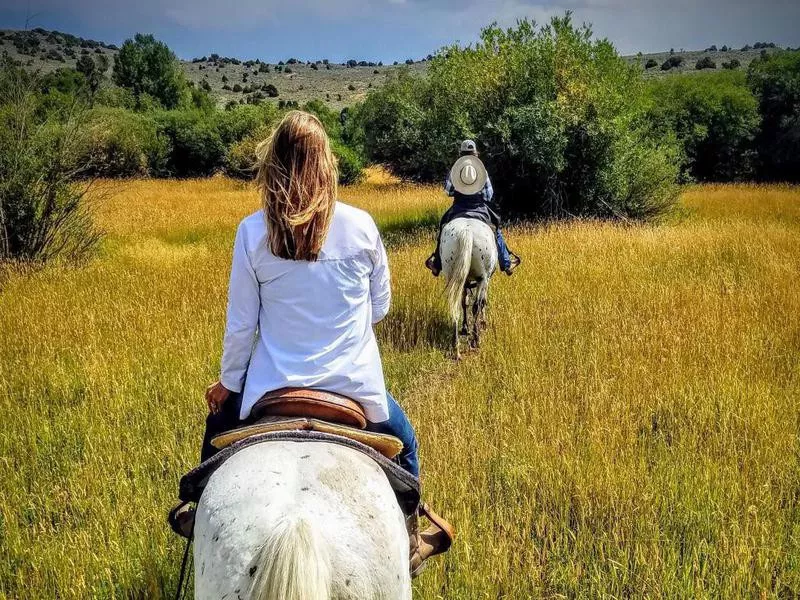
308	416
388	445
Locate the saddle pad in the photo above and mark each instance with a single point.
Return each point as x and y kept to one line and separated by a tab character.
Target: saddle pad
388	445
406	487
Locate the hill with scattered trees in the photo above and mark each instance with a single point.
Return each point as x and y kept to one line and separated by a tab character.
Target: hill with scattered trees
293	80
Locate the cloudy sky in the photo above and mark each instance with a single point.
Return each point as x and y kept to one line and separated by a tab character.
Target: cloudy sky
391	30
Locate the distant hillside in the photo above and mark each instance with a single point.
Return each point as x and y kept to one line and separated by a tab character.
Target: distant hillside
339	85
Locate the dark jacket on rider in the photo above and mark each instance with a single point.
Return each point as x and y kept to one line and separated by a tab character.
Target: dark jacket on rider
473	206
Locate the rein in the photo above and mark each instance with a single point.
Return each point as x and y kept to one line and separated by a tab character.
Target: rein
179	593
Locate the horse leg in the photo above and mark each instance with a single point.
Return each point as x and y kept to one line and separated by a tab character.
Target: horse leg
479	312
475	340
484	304
455	341
464	294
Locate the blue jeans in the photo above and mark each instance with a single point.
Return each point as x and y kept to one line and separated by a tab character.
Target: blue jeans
399	426
503	256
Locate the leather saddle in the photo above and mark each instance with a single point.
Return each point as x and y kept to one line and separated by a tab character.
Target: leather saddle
305	409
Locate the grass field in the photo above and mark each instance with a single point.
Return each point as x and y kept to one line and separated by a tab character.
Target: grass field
628	429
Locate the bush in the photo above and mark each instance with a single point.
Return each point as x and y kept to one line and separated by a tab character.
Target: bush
350	163
122	143
714	117
43	214
288	70
240	159
732	64
651	63
197	147
270	90
237	88
672	62
775	80
559	119
705	63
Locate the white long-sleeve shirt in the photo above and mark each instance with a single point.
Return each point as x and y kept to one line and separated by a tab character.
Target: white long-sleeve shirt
308	324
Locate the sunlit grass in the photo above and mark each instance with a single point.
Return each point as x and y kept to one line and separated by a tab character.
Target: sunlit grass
629	427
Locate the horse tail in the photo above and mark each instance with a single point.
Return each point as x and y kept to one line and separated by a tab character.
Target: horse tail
293	564
457	275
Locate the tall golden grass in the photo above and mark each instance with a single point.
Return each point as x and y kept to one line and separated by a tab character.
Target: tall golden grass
628	429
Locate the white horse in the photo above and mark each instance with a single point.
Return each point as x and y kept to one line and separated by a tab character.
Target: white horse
469	258
288	520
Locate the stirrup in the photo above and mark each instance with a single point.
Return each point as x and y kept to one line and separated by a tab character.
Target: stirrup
515	262
181	519
430	264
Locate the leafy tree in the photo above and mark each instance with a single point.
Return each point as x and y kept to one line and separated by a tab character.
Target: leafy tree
93	70
775	80
147	66
559	119
43	214
714	117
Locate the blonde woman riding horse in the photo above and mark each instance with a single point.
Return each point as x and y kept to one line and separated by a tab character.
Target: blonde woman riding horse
309	280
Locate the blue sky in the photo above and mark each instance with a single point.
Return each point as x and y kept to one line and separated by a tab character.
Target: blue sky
391	30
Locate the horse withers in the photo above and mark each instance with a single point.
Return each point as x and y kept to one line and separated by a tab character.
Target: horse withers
469	259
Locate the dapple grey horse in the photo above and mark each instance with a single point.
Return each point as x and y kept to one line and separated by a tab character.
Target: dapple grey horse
285	520
469	258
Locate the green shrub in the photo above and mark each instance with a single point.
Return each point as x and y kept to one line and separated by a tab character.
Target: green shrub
732	64
672	62
559	119
349	163
122	143
196	145
651	63
43	214
715	118
775	80
705	63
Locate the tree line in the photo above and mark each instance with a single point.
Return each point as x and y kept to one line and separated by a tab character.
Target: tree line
565	125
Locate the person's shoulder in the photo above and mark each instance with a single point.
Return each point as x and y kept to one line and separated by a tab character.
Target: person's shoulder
254	223
252	230
354	217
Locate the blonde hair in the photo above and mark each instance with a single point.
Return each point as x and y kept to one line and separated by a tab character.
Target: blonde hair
297	178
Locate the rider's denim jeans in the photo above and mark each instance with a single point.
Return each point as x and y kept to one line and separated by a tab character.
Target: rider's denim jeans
503	256
397	425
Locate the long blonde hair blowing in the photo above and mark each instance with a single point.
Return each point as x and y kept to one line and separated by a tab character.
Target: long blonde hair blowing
297	178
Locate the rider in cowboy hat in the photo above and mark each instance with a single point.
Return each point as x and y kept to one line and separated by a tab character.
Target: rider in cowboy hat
469	186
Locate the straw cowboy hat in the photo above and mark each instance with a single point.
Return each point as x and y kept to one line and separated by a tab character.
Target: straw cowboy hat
468	175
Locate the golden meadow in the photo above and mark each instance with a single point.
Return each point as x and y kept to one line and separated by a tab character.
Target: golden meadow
628	429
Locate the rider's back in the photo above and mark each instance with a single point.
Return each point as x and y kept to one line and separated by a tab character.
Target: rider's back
314	318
